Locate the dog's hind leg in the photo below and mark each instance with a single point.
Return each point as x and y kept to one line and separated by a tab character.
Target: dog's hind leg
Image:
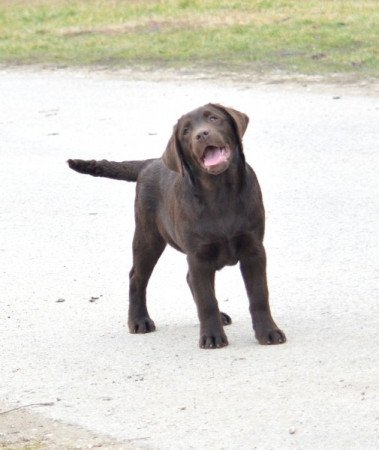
147	248
225	318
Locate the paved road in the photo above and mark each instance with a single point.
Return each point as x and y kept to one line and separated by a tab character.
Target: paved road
65	248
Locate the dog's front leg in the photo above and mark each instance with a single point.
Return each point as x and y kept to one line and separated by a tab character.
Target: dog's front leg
253	268
201	279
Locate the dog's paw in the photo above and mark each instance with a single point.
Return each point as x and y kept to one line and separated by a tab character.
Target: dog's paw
141	325
213	339
225	319
270	336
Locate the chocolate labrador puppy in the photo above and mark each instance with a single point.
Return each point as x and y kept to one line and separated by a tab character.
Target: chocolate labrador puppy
203	199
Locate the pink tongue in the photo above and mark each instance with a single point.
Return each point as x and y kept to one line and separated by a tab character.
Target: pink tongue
213	156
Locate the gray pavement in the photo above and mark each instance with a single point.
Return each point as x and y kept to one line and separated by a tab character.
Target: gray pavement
65	253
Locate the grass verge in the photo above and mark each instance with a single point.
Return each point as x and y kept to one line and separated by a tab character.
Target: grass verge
310	37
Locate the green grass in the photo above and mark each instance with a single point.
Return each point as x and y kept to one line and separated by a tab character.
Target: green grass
310	37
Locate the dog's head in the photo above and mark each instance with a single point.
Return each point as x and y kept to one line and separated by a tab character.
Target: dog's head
206	139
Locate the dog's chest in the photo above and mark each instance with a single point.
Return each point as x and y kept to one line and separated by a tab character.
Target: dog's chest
221	253
220	235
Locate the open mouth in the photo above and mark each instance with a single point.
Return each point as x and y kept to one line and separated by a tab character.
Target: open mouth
213	156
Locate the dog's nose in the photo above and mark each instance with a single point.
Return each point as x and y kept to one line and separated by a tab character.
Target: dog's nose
202	134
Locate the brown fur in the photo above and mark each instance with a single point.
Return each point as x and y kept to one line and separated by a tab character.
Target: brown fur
214	214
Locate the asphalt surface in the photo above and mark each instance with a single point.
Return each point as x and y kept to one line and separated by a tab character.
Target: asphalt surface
65	253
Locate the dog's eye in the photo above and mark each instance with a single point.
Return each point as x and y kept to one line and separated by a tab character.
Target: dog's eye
185	131
213	118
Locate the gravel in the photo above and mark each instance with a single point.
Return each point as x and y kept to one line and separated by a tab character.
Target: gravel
65	253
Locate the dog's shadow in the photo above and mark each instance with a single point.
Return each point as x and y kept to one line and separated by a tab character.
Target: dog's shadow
175	337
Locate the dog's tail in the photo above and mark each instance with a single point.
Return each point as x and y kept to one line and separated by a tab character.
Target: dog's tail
124	170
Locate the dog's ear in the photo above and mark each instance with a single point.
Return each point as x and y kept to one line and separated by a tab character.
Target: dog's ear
241	120
172	156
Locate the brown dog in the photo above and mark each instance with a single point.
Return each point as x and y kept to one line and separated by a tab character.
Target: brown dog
203	199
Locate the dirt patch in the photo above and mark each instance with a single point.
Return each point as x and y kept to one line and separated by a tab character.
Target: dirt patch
335	84
27	430
174	23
